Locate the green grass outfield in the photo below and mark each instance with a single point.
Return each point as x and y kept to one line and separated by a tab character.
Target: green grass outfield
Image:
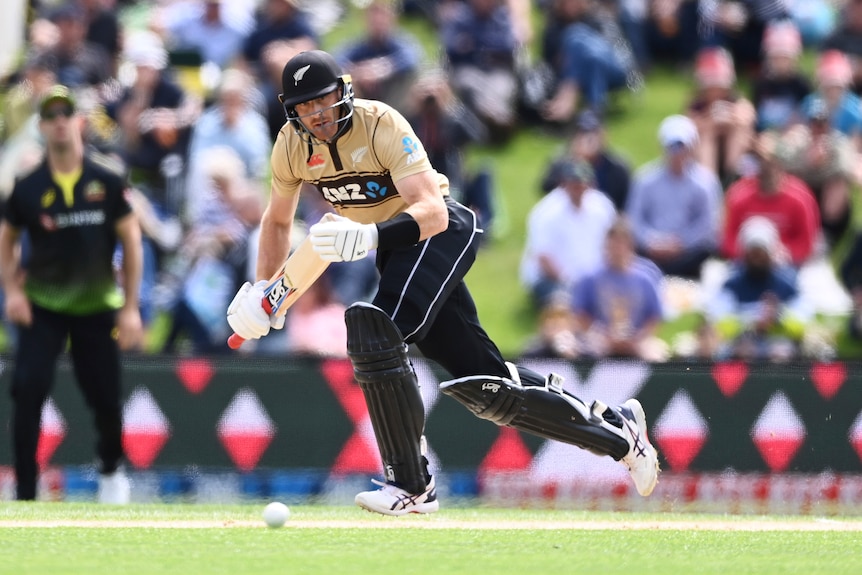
58	538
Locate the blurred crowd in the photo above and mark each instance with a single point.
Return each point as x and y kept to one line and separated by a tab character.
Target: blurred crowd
753	192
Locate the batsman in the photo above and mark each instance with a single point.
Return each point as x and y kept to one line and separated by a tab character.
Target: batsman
366	161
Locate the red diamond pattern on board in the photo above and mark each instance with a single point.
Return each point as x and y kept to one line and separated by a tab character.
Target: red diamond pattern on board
828	378
359	453
729	376
245	429
194	373
680	431
145	428
51	433
508	453
778	432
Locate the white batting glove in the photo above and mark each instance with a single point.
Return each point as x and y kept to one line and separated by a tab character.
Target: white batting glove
342	239
246	316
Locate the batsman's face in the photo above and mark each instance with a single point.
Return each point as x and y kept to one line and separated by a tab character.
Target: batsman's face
320	116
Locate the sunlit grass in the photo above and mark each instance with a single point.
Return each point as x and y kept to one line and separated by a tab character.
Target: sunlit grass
139	540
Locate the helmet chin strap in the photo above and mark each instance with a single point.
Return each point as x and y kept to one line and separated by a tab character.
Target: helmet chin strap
312	140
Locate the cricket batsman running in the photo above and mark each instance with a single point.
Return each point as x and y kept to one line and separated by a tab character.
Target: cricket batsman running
365	159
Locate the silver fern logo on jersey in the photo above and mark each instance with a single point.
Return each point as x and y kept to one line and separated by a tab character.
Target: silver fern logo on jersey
359	153
297	76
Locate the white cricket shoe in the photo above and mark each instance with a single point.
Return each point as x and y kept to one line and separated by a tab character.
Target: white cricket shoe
642	458
114	488
392	500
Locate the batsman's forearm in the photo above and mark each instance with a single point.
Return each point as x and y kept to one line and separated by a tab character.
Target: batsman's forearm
273	248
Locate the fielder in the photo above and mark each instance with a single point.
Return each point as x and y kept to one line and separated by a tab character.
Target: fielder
365	159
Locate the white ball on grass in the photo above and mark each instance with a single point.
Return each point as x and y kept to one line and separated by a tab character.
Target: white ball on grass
275	514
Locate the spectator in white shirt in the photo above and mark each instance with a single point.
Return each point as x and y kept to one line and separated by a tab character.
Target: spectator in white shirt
565	234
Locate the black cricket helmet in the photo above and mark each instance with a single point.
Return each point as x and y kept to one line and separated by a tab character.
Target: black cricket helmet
310	75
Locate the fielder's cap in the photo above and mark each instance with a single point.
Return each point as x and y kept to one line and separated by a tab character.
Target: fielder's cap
758	232
57	93
677	129
588	121
576	171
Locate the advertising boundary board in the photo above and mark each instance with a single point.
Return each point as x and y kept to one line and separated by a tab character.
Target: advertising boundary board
726	432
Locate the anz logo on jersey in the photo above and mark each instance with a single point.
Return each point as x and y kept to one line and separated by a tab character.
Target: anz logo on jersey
366	191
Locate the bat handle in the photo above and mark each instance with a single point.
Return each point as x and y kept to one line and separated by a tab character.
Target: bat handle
235	341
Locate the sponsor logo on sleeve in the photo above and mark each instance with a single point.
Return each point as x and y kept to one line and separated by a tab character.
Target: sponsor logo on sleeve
412	148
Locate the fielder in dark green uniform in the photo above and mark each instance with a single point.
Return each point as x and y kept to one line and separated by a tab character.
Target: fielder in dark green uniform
74	211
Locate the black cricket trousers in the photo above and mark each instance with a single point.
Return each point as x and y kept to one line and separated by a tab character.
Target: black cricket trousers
422	289
96	363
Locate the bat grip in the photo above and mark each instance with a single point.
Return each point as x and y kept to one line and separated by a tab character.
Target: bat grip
235	341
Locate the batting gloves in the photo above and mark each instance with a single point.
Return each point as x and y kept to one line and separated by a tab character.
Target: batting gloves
246	316
342	239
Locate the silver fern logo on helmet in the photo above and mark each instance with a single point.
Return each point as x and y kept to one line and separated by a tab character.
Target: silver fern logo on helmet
297	76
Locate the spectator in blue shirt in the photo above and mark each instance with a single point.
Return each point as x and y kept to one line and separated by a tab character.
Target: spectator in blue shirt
479	40
675	203
206	31
590	56
230	122
384	62
279	20
834	76
618	307
77	62
759	312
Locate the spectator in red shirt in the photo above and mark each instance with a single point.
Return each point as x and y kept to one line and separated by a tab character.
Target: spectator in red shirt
778	196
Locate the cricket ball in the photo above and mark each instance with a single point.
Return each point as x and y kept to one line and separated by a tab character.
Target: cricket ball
275	514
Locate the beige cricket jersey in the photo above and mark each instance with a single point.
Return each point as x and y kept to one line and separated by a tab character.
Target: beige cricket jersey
359	176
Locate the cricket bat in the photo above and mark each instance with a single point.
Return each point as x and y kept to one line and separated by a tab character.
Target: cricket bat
300	270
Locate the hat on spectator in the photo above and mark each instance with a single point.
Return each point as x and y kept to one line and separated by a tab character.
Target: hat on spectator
56	93
713	68
817	110
833	69
67	11
234	80
758	232
146	49
588	121
576	171
677	129
782	38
